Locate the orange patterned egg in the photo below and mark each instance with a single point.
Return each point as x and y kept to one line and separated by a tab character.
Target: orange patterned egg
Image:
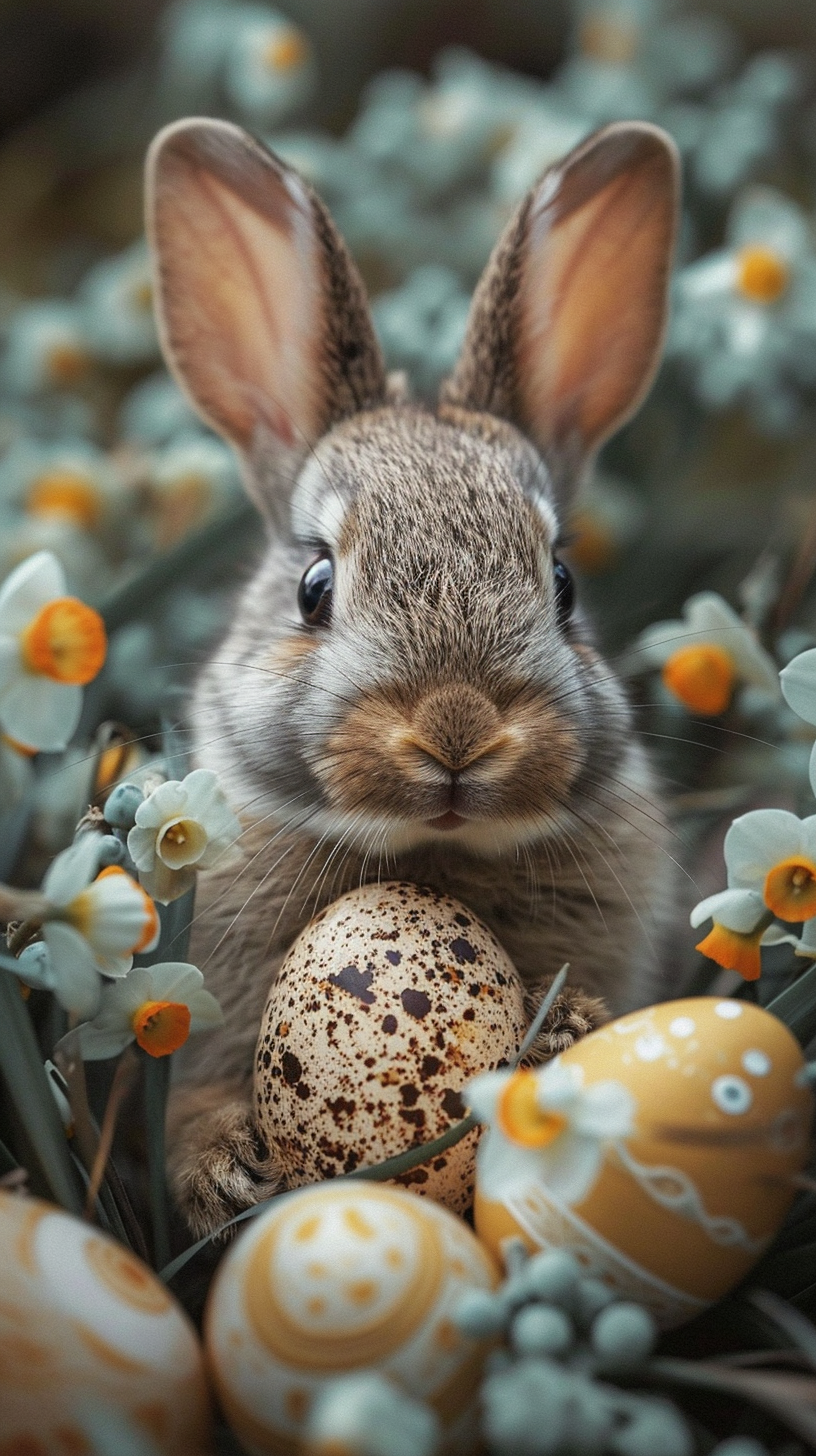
387	1004
83	1320
334	1279
684	1206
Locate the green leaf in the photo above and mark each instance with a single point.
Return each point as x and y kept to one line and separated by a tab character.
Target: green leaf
24	1074
215	544
156	1085
796	1006
786	1396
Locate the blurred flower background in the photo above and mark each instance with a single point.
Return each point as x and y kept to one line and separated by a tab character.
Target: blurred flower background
421	123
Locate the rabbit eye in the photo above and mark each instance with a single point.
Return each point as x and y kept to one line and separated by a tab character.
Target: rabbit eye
564	592
315	591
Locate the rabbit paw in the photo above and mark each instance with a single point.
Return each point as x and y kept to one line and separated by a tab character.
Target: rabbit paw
572	1014
219	1165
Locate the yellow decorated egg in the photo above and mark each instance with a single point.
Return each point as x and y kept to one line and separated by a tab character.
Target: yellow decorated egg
83	1320
678	1209
387	1004
335	1279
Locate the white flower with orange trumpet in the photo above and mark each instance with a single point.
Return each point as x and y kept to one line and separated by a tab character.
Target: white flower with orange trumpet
545	1126
92	925
51	644
771	859
706	655
183	826
158	1007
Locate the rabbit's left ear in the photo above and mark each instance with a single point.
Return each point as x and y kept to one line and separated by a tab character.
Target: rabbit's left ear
567	322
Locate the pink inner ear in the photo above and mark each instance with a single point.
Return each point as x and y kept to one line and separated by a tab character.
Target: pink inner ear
238	287
593	299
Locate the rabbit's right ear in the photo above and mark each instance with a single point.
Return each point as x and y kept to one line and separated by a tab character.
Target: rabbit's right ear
262	315
566	325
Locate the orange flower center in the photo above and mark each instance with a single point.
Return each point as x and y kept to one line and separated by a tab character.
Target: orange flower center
762	275
521	1119
736	950
286	52
67	494
594	547
142	296
702	676
67	363
181	506
66	641
161	1027
608	40
790	889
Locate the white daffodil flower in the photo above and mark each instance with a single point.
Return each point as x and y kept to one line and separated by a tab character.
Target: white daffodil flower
182	827
156	1006
771	859
116	298
46	348
705	655
187	482
544	1125
798	683
269	67
50	645
745	315
91	926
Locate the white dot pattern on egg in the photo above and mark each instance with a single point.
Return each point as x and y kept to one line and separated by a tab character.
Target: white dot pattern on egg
387	1004
80	1313
337	1278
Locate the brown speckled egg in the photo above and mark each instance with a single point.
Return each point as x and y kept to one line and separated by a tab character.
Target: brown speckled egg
387	1004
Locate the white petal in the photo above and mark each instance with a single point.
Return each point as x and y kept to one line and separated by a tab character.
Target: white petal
165	802
35	582
657	643
570	1166
798	682
40	712
173	981
606	1110
739	910
98	1042
166	885
757	841
72	870
11	666
710	613
558	1088
503	1169
204	1010
141	845
78	986
482	1094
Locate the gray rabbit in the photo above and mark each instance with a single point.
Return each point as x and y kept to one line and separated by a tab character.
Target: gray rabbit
408	689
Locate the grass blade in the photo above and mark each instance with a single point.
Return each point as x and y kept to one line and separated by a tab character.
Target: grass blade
24	1074
796	1006
156	1084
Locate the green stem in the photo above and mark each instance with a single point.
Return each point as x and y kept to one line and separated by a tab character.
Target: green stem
22	1067
156	1084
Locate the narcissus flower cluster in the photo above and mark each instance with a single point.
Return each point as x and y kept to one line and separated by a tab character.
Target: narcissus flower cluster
770	855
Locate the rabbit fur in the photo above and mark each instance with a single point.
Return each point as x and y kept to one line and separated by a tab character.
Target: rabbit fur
451	722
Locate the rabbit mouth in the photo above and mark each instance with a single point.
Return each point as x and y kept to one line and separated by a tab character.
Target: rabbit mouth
449	820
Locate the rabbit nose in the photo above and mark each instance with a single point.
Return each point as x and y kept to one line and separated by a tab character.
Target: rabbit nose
456	725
